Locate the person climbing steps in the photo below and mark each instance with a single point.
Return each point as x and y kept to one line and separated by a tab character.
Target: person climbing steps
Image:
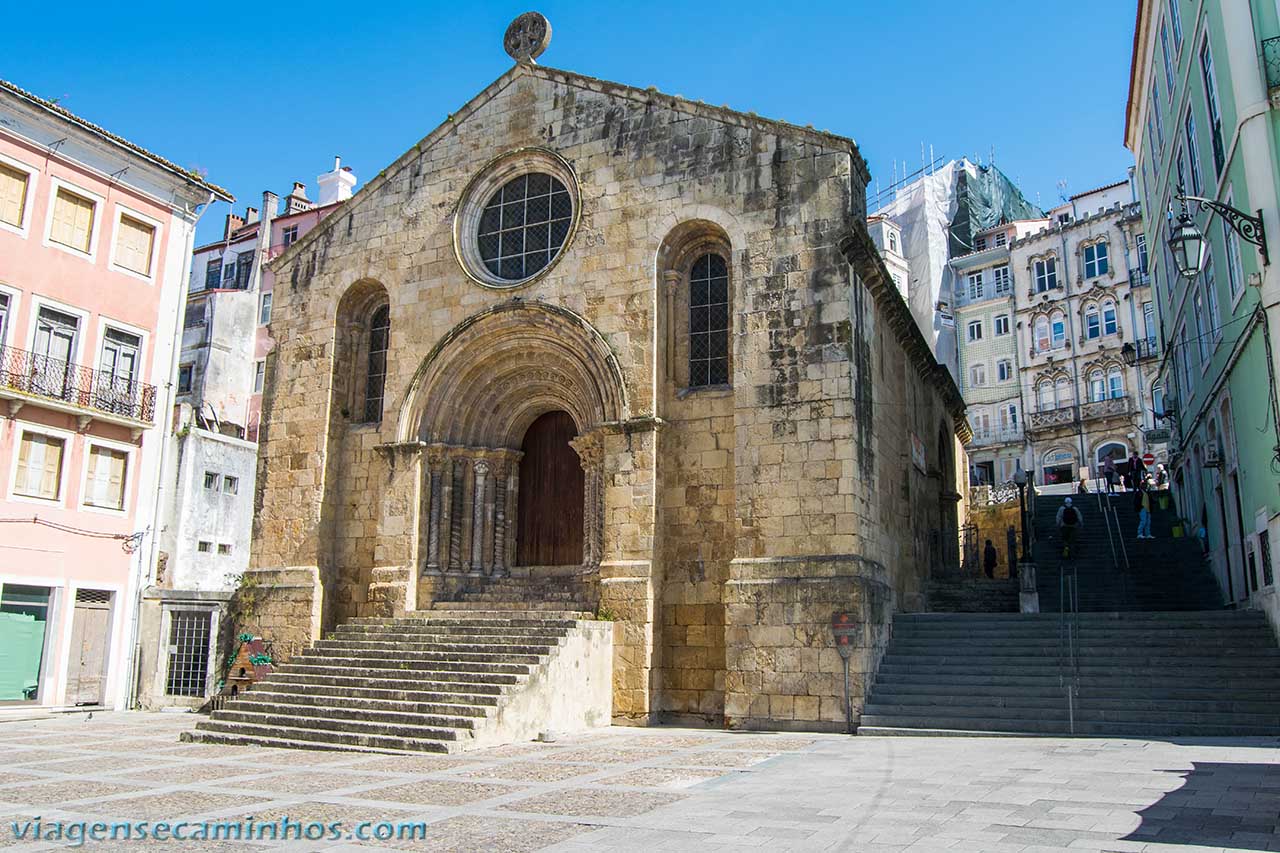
1070	522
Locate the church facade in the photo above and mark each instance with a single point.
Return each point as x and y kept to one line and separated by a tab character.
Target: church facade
638	346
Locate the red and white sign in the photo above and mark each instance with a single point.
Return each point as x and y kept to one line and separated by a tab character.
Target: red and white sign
1148	459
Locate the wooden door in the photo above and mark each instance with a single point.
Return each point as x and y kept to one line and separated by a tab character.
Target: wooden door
549	512
88	659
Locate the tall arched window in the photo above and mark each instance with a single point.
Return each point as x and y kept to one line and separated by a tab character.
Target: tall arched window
1058	327
1115	382
1097	386
376	372
1042	334
1044	396
1062	391
709	322
1092	322
1109	324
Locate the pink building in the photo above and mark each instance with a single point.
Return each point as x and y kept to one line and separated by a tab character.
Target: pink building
95	246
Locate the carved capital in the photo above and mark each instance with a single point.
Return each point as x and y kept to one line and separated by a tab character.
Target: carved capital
481	466
590	450
436	456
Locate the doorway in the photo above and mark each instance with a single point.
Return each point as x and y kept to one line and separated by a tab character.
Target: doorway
24	620
550	499
87	661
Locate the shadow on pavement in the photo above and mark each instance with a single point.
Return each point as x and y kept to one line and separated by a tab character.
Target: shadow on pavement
1234	806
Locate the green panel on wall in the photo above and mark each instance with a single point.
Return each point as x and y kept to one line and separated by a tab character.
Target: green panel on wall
22	638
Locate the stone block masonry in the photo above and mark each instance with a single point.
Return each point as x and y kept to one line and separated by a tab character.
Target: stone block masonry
722	522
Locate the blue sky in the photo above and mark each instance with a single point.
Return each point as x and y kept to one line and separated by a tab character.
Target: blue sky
260	95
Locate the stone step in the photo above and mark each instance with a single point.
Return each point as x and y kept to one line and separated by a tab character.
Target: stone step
1082	713
1085	644
324	694
506	620
1254	661
322	651
381	686
1058	698
1054	676
318	738
443	633
454	682
441	673
498	607
1054	690
1111	728
436	708
459	645
1206	618
347	718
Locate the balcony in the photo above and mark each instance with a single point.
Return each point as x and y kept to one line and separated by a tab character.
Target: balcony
1271	61
26	377
1051	418
1138	278
1148	348
1111	407
986	438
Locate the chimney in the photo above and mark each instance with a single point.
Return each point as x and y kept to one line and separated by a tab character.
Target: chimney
250	215
233	224
336	185
296	201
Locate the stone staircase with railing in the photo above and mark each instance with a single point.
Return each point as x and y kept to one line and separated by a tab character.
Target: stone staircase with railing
489	670
1142	647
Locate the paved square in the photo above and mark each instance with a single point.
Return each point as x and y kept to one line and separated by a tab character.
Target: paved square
656	789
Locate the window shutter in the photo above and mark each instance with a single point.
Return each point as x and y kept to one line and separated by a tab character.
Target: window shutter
13	195
107	475
72	220
133	248
25	451
52	480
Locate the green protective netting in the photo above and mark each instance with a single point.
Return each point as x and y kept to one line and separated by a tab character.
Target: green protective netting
22	639
985	197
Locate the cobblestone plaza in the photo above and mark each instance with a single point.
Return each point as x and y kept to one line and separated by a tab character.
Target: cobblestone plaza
661	789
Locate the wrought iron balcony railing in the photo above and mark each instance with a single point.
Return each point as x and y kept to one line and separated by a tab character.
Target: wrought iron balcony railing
1148	348
1138	278
37	375
1271	61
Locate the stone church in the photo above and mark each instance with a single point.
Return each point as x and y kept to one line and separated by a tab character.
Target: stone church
635	352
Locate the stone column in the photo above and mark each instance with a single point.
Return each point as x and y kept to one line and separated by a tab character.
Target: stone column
479	517
508	555
436	459
455	486
671	279
590	450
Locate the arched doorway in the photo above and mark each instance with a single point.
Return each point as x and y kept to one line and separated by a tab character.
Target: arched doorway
549	509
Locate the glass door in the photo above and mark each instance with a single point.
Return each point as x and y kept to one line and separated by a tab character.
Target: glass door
55	346
117	382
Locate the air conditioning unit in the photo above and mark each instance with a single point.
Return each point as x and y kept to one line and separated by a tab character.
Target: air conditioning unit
1212	455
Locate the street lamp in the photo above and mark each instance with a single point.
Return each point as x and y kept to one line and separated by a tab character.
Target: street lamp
1020	480
1186	241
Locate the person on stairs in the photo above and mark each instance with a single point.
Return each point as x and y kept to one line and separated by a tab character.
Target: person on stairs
990	558
1144	516
1109	473
1070	522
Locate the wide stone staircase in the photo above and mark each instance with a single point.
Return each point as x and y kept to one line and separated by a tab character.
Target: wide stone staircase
1139	648
461	676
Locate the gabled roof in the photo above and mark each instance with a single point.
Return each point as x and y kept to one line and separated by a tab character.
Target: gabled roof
648	96
96	130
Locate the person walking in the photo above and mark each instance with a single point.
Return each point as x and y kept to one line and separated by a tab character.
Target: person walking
1137	471
1144	516
1109	473
989	559
1070	522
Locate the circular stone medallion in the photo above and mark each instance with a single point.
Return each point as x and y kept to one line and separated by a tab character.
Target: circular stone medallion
527	37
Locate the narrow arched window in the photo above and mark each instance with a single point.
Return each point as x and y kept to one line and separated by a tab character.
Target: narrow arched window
1044	396
709	322
1109	324
1097	386
1115	383
1062	389
376	373
1092	322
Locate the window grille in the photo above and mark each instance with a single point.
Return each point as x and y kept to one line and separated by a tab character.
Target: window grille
709	322
376	375
524	226
93	596
188	652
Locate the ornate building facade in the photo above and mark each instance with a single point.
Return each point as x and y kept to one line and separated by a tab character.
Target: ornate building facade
634	345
